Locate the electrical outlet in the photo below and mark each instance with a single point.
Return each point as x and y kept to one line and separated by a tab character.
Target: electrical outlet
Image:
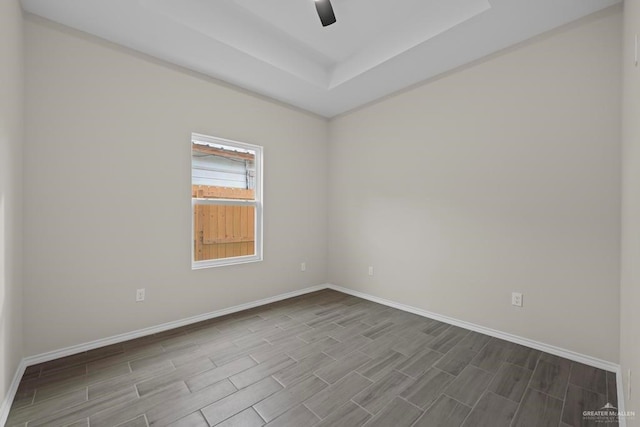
303	266
140	295
370	271
516	299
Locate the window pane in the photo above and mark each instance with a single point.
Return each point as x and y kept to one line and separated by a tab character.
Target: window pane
222	172
223	231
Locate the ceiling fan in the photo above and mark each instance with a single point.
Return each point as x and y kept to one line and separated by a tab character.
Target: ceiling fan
325	12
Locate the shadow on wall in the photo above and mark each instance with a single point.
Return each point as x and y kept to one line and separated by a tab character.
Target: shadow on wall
4	356
3	257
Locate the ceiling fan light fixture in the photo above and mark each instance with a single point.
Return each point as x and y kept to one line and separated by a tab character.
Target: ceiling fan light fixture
325	12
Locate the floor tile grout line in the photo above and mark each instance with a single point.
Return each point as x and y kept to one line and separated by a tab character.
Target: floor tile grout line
517	366
474	407
566	393
311	410
412	404
515	416
360	406
453	398
432	403
252	407
496	375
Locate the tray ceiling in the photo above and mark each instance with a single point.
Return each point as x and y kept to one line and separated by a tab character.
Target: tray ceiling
279	49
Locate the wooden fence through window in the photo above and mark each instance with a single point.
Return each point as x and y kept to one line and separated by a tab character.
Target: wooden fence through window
223	231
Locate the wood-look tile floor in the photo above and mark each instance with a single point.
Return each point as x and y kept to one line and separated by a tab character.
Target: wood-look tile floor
322	359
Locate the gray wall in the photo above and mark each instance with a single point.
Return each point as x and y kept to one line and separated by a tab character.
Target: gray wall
630	291
107	171
510	182
11	138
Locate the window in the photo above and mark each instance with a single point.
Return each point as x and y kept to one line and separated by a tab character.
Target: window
226	200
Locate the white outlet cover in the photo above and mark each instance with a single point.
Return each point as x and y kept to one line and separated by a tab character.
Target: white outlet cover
516	299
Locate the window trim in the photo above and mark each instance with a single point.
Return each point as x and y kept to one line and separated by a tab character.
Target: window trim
258	203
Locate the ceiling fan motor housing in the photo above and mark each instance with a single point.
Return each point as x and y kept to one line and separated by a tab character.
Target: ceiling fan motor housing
325	12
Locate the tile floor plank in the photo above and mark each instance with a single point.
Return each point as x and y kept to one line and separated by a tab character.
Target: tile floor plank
492	411
456	360
194	419
54	389
117	414
510	381
448	339
492	355
349	415
182	406
139	421
296	417
538	410
84	410
469	386
381	365
54	404
285	399
240	400
398	413
474	341
260	371
127	380
579	400
333	397
302	369
420	362
445	412
247	418
426	389
551	376
612	391
524	356
341	367
383	391
176	375
205	379
588	377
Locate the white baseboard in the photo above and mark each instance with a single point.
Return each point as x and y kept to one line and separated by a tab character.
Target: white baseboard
567	354
52	355
5	406
68	351
622	422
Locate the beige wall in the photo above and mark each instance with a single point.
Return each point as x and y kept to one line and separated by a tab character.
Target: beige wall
630	291
11	141
501	177
107	172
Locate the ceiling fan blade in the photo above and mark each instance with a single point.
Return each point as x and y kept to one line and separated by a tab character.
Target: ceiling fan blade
325	12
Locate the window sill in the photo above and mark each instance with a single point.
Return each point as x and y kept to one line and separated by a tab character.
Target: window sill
198	265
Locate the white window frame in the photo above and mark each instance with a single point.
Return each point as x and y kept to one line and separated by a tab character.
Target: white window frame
257	203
